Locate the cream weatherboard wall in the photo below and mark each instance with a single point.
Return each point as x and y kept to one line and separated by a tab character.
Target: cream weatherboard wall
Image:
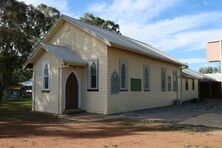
88	47
101	101
128	100
190	93
46	101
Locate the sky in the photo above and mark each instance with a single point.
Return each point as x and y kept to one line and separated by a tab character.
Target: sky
180	28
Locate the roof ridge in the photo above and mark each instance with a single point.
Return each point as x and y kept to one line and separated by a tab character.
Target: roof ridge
128	43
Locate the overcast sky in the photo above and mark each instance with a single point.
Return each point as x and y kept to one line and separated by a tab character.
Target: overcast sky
181	28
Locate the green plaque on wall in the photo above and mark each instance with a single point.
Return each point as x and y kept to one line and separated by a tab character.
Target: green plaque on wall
135	84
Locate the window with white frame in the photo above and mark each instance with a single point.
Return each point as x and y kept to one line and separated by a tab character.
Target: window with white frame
93	75
175	81
163	79
146	77
186	84
193	84
46	75
123	75
169	83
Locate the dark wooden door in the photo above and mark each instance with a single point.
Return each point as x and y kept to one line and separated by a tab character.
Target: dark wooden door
71	92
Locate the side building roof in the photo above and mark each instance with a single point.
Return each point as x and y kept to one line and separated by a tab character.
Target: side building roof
188	73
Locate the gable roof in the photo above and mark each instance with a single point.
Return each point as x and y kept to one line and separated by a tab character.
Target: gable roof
66	55
121	41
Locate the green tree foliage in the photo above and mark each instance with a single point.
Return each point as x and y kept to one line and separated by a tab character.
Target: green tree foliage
21	26
97	21
209	69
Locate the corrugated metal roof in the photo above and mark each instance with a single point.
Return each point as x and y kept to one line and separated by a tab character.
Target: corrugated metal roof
193	74
123	41
65	54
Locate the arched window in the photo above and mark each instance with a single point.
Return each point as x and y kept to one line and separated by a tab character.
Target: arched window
93	75
115	83
175	81
46	72
163	79
169	83
123	75
146	77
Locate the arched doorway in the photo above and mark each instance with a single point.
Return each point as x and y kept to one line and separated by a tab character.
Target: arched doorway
72	91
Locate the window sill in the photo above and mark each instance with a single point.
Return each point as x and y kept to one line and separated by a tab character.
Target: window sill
92	89
123	90
45	90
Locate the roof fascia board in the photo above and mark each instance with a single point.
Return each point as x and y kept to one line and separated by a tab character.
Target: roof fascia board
88	31
32	55
36	51
46	37
43	40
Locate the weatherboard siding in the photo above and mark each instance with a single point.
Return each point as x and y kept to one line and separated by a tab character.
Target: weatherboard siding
101	101
128	100
46	101
190	93
88	47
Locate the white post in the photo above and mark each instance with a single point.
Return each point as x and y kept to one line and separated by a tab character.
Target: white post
33	89
221	56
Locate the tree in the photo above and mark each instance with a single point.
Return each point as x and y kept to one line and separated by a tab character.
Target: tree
209	69
21	26
97	21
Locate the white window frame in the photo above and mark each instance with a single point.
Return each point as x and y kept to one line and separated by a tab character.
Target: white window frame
163	78
193	84
169	82
186	84
90	62
145	66
175	80
44	63
120	75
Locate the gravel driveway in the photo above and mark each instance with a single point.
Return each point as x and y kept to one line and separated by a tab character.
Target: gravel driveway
207	113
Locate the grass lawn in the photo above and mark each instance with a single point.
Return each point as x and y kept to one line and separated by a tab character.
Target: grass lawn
16	104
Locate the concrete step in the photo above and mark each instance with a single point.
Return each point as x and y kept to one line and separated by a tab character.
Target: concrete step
74	111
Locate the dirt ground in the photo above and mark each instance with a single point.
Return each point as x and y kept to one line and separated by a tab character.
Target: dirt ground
30	129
